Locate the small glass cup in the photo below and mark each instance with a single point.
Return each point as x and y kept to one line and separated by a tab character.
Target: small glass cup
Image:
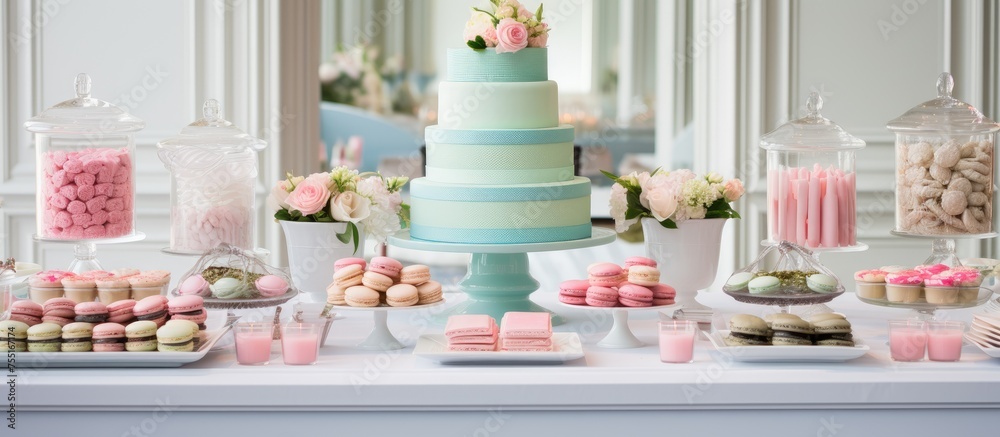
944	340
300	342
907	340
253	342
677	341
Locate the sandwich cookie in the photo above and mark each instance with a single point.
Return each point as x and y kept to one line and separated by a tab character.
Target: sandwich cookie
91	312
44	337
174	338
109	337
141	336
15	335
747	330
76	337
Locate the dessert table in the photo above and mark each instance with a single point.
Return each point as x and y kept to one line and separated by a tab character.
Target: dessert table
380	392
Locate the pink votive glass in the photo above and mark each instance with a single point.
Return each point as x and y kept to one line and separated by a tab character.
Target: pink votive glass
907	340
677	341
300	342
253	342
944	340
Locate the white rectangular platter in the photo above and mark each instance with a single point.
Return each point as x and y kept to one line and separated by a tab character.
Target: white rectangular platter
787	354
434	347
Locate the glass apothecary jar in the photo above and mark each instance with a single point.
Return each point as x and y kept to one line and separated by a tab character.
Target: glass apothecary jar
811	183
944	167
84	165
213	169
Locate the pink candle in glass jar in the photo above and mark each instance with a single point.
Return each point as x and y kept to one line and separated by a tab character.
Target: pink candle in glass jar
944	340
300	343
253	343
907	340
677	341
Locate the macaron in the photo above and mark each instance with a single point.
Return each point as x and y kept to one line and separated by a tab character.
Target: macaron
833	332
663	294
598	296
227	288
376	281
361	296
429	292
574	291
348	276
141	336
196	332
604	274
632	295
822	283
763	285
739	281
188	308
91	312
13	335
151	308
747	330
401	295
335	295
76	337
386	266
639	261
26	311
344	262
59	310
174	338
109	337
121	311
415	275
44	337
271	285
791	330
643	275
196	285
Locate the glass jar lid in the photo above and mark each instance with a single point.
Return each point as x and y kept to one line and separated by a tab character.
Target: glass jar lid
811	133
945	113
212	131
84	115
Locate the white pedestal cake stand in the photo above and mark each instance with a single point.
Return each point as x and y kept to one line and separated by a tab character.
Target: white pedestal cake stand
498	280
620	336
381	338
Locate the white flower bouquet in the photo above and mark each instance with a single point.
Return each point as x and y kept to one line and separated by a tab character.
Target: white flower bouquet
671	197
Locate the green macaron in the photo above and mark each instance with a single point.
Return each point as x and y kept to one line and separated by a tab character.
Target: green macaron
44	337
141	336
763	285
227	288
77	337
739	281
174	338
14	335
822	283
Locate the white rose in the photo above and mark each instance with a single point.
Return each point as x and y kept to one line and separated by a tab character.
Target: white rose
328	72
713	178
661	204
279	192
350	207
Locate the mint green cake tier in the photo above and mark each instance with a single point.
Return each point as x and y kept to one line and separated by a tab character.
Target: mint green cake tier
499	156
500	214
525	65
498	105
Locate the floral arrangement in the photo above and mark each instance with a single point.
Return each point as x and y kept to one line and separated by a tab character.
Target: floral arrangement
508	26
356	76
345	196
671	197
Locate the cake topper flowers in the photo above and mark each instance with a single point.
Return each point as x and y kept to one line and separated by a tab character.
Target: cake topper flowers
343	195
671	197
508	26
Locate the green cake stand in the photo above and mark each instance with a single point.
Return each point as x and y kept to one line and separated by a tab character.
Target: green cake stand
498	280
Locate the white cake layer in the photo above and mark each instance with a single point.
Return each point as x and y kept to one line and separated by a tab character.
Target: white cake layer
498	105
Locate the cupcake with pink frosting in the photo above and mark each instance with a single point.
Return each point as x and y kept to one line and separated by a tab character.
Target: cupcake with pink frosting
930	270
870	283
904	286
941	289
968	280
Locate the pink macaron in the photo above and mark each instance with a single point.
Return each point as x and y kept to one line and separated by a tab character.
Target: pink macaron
194	285
151	308
632	295
663	294
91	312
574	292
121	311
598	296
271	285
639	261
188	308
59	307
26	311
109	337
605	274
386	266
344	262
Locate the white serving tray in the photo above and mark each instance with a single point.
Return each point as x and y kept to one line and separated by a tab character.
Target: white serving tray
434	347
787	354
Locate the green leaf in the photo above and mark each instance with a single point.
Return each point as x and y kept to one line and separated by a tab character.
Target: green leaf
282	214
355	234
345	237
494	17
538	12
610	175
404	216
669	224
632	196
632	213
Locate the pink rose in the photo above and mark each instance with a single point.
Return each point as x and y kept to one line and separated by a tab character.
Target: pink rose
511	36
541	38
309	197
734	190
481	25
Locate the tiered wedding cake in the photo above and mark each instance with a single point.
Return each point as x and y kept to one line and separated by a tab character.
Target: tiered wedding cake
499	164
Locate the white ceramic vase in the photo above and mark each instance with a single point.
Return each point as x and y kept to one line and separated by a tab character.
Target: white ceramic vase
688	257
312	250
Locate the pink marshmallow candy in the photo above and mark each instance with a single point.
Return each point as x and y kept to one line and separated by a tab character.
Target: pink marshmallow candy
96	231
58	202
99	217
120	190
82	219
85	192
104	189
76	207
63	219
73	166
68	191
96	204
84	179
115	204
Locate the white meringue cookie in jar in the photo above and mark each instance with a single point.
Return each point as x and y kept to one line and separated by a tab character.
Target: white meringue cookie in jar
213	167
944	167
